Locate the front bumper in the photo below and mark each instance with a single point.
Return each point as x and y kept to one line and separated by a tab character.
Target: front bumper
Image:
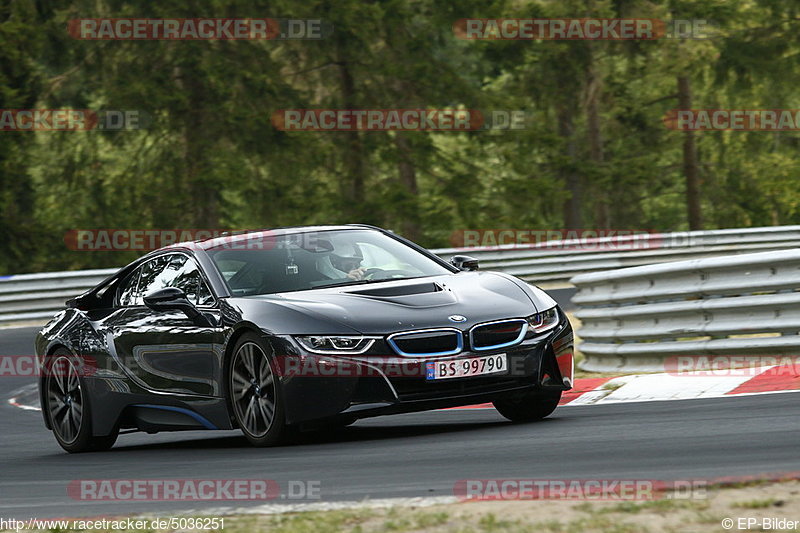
319	387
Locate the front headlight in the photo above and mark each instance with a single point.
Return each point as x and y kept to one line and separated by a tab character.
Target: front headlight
544	321
336	344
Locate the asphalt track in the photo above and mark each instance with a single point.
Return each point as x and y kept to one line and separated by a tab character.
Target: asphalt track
407	455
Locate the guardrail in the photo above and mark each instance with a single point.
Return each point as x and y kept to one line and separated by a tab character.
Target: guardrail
37	296
558	261
634	318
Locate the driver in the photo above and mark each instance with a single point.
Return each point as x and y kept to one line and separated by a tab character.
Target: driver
345	262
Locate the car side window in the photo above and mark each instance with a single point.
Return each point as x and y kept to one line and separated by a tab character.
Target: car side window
174	270
128	288
190	279
149	278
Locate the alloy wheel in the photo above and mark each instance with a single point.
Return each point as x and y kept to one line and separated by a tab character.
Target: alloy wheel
65	399
253	389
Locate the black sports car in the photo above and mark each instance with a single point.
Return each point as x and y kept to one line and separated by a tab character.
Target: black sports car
296	328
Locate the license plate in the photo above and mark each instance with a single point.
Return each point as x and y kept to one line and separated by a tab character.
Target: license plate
462	368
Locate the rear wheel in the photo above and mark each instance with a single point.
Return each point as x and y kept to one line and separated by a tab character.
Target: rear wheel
68	406
255	394
528	407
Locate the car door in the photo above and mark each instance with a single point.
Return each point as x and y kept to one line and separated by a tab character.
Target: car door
165	351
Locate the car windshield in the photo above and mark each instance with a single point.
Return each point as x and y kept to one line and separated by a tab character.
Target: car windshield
268	264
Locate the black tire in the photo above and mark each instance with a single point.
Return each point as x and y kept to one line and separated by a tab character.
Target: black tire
254	393
528	407
69	407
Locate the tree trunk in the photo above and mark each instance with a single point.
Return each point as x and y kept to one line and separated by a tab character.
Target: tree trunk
690	165
572	205
409	208
593	90
353	182
203	194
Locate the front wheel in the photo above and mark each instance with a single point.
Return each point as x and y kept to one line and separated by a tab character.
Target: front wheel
528	407
68	406
255	394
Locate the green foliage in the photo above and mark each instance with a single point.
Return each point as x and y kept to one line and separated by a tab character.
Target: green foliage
211	158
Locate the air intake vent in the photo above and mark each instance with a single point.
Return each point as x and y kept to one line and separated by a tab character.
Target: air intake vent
400	290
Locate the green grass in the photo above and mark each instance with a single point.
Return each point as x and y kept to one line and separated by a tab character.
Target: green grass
600	523
310	522
429	520
659	506
759	504
490	523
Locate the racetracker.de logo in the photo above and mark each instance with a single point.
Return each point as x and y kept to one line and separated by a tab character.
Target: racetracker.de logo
30	366
197	29
191	490
70	120
314	366
578	489
557	239
733	119
105	240
767	366
172	29
579	29
378	120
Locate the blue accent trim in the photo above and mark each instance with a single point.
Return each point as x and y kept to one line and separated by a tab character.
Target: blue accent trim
206	424
522	333
459	346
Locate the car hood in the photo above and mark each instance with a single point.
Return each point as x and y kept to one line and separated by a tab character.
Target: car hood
391	306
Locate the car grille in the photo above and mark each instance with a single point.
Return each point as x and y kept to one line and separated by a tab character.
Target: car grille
496	335
431	342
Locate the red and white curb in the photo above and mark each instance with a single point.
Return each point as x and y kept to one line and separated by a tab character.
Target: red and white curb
632	388
15	402
26	398
683	386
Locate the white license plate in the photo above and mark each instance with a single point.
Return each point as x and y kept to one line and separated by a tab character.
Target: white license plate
462	368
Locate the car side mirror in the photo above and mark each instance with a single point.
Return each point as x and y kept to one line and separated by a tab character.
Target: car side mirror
464	262
174	299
